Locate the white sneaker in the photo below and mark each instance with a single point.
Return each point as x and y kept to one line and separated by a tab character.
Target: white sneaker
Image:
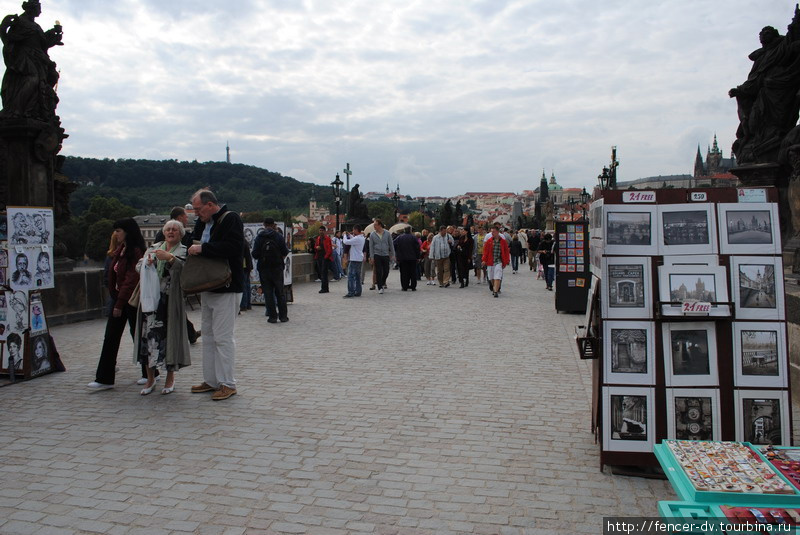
99	386
380	291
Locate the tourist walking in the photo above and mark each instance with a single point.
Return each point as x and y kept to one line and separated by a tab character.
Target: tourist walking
523	240
477	259
427	261
270	250
546	259
496	256
406	248
533	250
221	234
441	247
323	255
356	242
161	339
338	248
516	253
464	247
382	251
122	280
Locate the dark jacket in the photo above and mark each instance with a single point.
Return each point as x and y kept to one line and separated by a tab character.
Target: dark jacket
258	246
516	248
227	241
123	277
406	248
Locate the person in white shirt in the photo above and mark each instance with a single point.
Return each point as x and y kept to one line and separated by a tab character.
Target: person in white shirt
441	246
356	258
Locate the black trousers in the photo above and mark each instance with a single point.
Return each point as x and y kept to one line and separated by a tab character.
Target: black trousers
323	265
115	327
381	267
408	274
274	296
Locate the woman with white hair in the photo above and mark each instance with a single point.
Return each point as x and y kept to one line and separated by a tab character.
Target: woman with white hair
161	339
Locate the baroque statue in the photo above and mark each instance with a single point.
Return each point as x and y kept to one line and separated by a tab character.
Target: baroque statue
767	101
357	208
28	89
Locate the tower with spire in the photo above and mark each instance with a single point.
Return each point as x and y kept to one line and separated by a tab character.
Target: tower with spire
714	164
228	152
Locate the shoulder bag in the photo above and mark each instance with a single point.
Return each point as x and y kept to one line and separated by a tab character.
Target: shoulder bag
203	274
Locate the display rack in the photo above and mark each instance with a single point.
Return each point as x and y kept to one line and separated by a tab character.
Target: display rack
687	324
573	278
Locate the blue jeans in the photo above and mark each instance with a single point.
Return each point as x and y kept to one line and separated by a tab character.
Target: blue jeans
337	266
245	304
354	278
515	263
549	274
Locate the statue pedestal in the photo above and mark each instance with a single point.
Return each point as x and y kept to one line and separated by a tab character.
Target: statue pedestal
27	157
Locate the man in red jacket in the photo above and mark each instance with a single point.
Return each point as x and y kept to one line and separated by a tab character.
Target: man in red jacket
323	255
496	256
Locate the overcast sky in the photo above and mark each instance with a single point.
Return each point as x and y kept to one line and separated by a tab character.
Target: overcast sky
440	96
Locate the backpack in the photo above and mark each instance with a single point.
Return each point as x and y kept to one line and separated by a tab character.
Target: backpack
270	253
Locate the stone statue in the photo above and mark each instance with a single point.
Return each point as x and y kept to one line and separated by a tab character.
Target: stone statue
28	89
357	211
767	101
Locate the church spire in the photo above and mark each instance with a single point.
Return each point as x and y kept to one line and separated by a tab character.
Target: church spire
228	151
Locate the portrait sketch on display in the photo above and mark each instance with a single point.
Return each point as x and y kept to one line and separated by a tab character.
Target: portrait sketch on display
693	414
690	353
29	268
17	311
630	230
687	229
3	258
630	347
693	284
749	228
3	227
13	355
251	230
629	418
38	321
40	355
757	283
4	324
760	354
30	226
762	417
626	287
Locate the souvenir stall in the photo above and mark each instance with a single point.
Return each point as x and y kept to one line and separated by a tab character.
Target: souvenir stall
572	265
26	268
251	230
686	323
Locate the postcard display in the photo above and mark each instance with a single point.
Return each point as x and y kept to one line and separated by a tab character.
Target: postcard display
689	318
251	230
26	268
572	265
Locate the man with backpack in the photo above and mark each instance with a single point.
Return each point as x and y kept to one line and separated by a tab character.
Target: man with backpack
269	248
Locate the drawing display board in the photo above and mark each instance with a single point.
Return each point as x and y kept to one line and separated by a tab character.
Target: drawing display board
690	320
573	276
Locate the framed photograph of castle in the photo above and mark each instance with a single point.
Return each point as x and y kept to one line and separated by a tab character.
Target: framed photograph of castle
757	286
629	352
627	288
682	285
687	229
690	353
629	417
749	228
762	417
693	414
759	354
630	230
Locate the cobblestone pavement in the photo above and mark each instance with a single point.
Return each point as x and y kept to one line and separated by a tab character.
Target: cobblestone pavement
430	412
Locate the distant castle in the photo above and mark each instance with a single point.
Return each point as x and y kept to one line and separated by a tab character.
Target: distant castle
715	164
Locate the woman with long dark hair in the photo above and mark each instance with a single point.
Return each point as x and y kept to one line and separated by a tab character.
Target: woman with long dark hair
122	280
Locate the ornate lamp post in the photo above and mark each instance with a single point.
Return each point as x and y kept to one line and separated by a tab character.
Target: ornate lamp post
396	200
604	179
571	203
422	205
337	195
585	197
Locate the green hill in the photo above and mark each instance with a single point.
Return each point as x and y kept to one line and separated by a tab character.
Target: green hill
157	186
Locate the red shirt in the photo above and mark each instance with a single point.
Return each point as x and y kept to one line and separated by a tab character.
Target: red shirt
488	252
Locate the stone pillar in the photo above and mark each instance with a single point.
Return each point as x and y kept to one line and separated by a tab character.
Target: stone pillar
27	157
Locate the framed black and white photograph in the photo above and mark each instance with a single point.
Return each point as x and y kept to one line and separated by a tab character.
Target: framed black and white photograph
17	311
690	353
759	355
596	219
762	417
629	418
596	257
627	287
689	289
40	355
749	228
693	414
691	260
629	352
687	229
757	285
30	226
13	355
630	230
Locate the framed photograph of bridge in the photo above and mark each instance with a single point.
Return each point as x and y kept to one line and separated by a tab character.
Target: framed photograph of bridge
629	352
759	356
629	418
762	417
749	228
693	414
687	229
681	286
630	230
627	288
690	353
757	285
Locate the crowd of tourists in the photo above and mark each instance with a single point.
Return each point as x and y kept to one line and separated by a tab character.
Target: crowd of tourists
146	294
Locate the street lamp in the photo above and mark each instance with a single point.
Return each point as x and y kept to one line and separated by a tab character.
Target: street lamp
604	179
571	203
396	200
585	197
422	205
337	195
